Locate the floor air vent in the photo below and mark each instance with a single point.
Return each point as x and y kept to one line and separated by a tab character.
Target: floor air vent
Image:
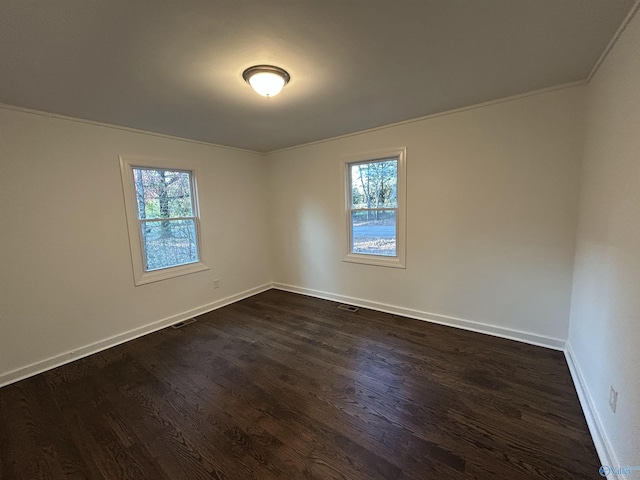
183	323
349	308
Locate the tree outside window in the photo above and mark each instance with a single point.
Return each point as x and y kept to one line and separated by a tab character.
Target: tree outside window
375	208
163	218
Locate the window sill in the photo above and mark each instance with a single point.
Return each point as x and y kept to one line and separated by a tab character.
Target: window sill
171	272
375	260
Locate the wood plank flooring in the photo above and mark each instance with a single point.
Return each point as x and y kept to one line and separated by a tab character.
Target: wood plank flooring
283	386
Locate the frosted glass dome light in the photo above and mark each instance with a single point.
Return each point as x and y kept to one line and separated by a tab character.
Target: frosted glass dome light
266	80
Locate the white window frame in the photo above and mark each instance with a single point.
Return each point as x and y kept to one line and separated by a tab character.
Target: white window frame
140	274
399	260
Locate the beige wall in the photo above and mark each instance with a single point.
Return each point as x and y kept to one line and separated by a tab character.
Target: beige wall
66	279
492	206
605	315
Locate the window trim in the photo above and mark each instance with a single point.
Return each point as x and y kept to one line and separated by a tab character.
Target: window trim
398	261
140	275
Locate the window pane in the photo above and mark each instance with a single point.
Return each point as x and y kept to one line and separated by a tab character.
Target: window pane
168	243
162	193
374	232
374	184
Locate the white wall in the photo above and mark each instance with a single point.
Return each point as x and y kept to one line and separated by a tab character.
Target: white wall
492	207
605	314
66	279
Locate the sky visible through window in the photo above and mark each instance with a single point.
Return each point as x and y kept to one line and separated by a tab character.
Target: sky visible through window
374	206
167	221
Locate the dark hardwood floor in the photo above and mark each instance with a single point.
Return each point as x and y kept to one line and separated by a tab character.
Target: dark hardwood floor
283	386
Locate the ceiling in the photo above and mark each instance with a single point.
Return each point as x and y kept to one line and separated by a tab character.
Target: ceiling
174	67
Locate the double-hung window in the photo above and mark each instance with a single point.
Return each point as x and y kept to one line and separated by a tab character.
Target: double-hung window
375	186
162	213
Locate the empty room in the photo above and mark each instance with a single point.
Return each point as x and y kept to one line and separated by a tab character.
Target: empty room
320	239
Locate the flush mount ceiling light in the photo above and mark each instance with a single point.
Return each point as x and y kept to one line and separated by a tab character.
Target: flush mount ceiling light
266	80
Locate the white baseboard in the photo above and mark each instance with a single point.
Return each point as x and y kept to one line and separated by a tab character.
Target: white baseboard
502	332
66	357
605	451
37	367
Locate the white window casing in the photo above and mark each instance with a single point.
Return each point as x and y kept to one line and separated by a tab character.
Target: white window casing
390	258
135	224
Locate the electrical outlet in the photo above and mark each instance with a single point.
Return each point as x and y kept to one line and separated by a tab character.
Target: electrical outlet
613	399
216	283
